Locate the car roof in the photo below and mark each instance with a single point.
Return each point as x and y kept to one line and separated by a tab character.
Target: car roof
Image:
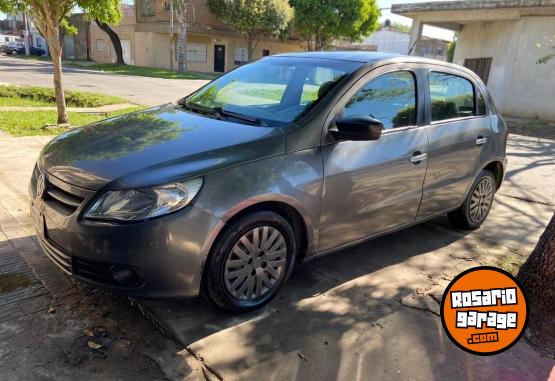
376	58
357	56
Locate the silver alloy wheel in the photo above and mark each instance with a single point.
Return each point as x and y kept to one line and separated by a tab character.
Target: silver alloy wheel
256	263
481	200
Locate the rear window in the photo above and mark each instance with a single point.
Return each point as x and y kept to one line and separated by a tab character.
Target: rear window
452	96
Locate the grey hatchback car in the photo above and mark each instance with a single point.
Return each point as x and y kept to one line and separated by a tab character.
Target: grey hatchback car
282	160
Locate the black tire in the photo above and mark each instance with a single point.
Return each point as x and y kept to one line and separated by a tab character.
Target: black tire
214	283
464	218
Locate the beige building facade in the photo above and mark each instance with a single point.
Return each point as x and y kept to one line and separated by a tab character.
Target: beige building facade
212	46
501	41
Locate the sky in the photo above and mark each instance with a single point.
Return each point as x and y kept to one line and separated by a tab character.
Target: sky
385	6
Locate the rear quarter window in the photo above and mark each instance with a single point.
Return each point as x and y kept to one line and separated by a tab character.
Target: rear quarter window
452	96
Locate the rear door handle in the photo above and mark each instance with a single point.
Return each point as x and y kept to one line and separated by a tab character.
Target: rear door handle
481	140
417	157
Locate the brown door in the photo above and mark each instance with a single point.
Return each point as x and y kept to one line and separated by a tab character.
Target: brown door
480	66
219	58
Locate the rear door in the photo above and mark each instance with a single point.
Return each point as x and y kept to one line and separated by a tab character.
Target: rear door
373	186
458	132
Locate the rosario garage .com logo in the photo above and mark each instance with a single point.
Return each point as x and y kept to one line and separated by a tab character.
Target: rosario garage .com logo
484	310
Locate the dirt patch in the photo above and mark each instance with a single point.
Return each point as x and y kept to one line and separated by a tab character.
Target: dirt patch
12	281
531	127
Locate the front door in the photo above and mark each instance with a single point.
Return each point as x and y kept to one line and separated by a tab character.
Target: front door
373	186
219	58
458	136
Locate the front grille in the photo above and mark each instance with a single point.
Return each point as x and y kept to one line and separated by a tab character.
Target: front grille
61	199
56	254
96	271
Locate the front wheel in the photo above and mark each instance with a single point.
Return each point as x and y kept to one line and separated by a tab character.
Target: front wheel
477	205
250	262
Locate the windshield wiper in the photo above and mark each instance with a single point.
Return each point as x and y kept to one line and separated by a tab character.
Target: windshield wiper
219	113
246	118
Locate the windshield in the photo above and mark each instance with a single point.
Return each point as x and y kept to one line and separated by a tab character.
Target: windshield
275	91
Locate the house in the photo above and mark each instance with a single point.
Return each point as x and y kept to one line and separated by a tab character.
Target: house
391	40
212	46
501	41
77	46
102	50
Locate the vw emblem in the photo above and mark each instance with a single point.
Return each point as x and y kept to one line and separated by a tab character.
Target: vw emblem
41	185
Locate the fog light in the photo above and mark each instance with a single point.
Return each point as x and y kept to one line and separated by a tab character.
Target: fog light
125	276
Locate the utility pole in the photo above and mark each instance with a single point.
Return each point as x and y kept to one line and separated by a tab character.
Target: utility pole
171	35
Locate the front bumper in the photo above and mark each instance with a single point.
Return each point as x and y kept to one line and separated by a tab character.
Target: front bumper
164	255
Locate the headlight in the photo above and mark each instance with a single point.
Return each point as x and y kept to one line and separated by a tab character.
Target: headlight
140	204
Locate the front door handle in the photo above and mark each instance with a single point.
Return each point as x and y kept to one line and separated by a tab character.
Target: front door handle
480	140
417	157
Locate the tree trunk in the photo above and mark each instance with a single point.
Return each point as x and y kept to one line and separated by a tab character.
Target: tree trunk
537	277
252	42
181	44
116	42
55	46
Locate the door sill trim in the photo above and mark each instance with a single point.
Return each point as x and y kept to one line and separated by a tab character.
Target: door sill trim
377	235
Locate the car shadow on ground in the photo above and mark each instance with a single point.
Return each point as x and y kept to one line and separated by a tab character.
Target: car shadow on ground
342	316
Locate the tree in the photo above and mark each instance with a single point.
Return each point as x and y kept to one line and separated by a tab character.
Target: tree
181	8
537	277
320	22
49	16
451	51
253	19
116	42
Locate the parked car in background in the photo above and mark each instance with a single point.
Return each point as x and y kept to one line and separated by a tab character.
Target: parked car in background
19	48
277	162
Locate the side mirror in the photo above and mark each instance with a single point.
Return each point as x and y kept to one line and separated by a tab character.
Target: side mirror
357	128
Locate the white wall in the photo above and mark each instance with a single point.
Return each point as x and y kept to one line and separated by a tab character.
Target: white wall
389	41
519	86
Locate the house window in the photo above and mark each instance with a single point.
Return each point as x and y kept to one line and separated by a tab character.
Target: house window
99	45
147	8
196	52
265	52
480	66
241	56
452	96
38	42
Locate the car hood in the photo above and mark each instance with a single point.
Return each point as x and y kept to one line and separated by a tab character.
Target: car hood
155	146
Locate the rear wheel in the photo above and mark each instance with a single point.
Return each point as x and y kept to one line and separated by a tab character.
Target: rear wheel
477	205
251	261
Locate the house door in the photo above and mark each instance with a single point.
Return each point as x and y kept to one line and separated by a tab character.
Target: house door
480	66
126	51
69	47
219	58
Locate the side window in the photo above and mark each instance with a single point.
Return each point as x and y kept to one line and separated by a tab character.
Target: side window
390	98
481	104
452	96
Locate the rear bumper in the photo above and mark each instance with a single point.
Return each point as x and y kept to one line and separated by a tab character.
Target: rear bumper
164	257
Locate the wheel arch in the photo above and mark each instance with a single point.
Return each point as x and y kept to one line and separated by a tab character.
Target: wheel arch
496	167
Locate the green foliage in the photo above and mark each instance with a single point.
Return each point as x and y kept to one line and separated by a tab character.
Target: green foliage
253	18
395	25
105	10
545	59
47	97
451	51
321	21
25	123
